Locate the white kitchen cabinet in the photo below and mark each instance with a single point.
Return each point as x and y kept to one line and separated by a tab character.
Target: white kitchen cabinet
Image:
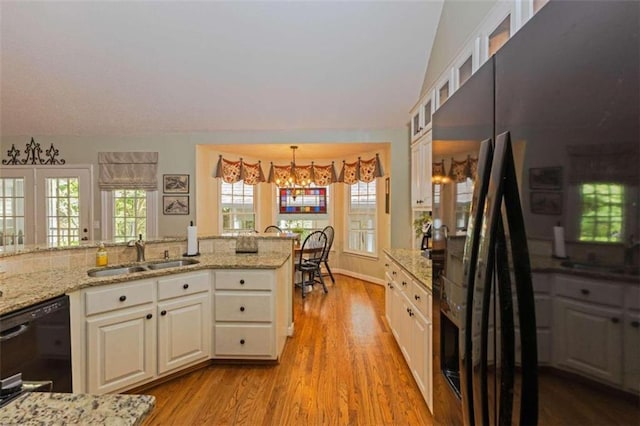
421	166
587	338
121	348
421	116
631	369
139	330
408	312
246	323
184	320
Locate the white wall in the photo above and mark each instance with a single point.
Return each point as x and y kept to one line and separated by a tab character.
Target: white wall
177	154
458	20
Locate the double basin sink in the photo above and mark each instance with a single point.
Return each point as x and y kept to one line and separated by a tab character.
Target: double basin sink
611	269
149	266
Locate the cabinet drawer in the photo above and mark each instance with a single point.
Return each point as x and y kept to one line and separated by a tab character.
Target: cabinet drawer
421	298
589	291
633	297
235	306
118	296
404	283
244	340
182	285
243	280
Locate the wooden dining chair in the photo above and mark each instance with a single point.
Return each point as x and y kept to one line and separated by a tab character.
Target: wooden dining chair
329	232
272	228
308	263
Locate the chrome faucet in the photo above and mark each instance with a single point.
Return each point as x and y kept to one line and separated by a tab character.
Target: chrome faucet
139	244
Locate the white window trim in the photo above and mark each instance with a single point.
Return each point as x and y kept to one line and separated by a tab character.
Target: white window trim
107	214
256	196
346	249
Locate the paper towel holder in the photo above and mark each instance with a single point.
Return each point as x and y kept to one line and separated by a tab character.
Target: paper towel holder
197	253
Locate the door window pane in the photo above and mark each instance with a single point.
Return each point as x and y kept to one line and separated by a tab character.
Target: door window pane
12	229
63	211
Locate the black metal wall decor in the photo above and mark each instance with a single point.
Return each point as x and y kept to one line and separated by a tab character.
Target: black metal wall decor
33	151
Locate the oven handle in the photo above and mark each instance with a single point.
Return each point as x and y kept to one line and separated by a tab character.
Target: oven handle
21	329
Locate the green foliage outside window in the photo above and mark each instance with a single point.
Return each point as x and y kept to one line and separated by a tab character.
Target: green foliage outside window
602	213
129	214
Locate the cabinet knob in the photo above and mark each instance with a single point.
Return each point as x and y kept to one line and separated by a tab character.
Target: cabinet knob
241	308
241	281
123	298
585	291
149	316
615	320
163	313
386	265
185	286
635	324
415	296
404	283
393	272
242	341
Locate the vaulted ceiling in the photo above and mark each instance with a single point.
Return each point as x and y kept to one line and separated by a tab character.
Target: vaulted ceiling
110	68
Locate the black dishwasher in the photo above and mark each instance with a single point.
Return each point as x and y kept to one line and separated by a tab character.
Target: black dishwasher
36	342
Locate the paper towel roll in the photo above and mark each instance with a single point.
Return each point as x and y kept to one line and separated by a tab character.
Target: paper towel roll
192	240
558	242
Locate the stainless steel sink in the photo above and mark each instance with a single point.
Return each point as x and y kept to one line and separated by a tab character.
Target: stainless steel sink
116	270
149	266
611	269
172	263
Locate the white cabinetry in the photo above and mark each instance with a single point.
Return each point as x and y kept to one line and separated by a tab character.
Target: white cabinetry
588	327
246	325
421	164
184	320
408	313
631	339
139	330
121	336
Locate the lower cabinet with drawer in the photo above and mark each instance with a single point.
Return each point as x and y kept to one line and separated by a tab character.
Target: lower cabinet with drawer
408	312
588	327
246	324
139	330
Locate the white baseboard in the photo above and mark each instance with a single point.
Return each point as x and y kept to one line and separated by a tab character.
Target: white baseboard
373	280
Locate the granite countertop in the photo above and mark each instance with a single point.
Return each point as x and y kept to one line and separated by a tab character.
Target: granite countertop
23	290
40	408
418	266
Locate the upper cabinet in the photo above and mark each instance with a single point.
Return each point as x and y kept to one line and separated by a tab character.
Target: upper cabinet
421	116
421	193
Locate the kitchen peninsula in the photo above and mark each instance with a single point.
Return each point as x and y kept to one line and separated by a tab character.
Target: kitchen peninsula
235	306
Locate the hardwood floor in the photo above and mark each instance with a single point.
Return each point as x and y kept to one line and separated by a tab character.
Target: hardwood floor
342	366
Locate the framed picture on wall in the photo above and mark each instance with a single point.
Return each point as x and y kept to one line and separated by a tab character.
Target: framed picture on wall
545	178
546	202
175	204
175	184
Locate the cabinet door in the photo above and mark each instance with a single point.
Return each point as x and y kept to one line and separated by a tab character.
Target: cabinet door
388	303
120	349
421	356
405	325
588	338
183	331
631	372
421	166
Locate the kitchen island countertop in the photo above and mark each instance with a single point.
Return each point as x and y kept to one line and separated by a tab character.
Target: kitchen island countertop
42	408
22	290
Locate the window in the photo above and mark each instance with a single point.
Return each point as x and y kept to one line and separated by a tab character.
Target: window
437	189
12	211
62	203
361	218
45	205
444	93
500	36
602	212
237	202
129	213
464	192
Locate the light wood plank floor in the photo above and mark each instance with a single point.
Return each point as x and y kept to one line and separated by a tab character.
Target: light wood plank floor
342	366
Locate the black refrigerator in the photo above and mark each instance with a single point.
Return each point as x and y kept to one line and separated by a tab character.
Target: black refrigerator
553	120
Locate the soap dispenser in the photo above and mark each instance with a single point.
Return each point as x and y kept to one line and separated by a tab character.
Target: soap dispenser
101	256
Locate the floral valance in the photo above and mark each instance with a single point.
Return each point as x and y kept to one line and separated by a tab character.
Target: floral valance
234	171
320	175
459	171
